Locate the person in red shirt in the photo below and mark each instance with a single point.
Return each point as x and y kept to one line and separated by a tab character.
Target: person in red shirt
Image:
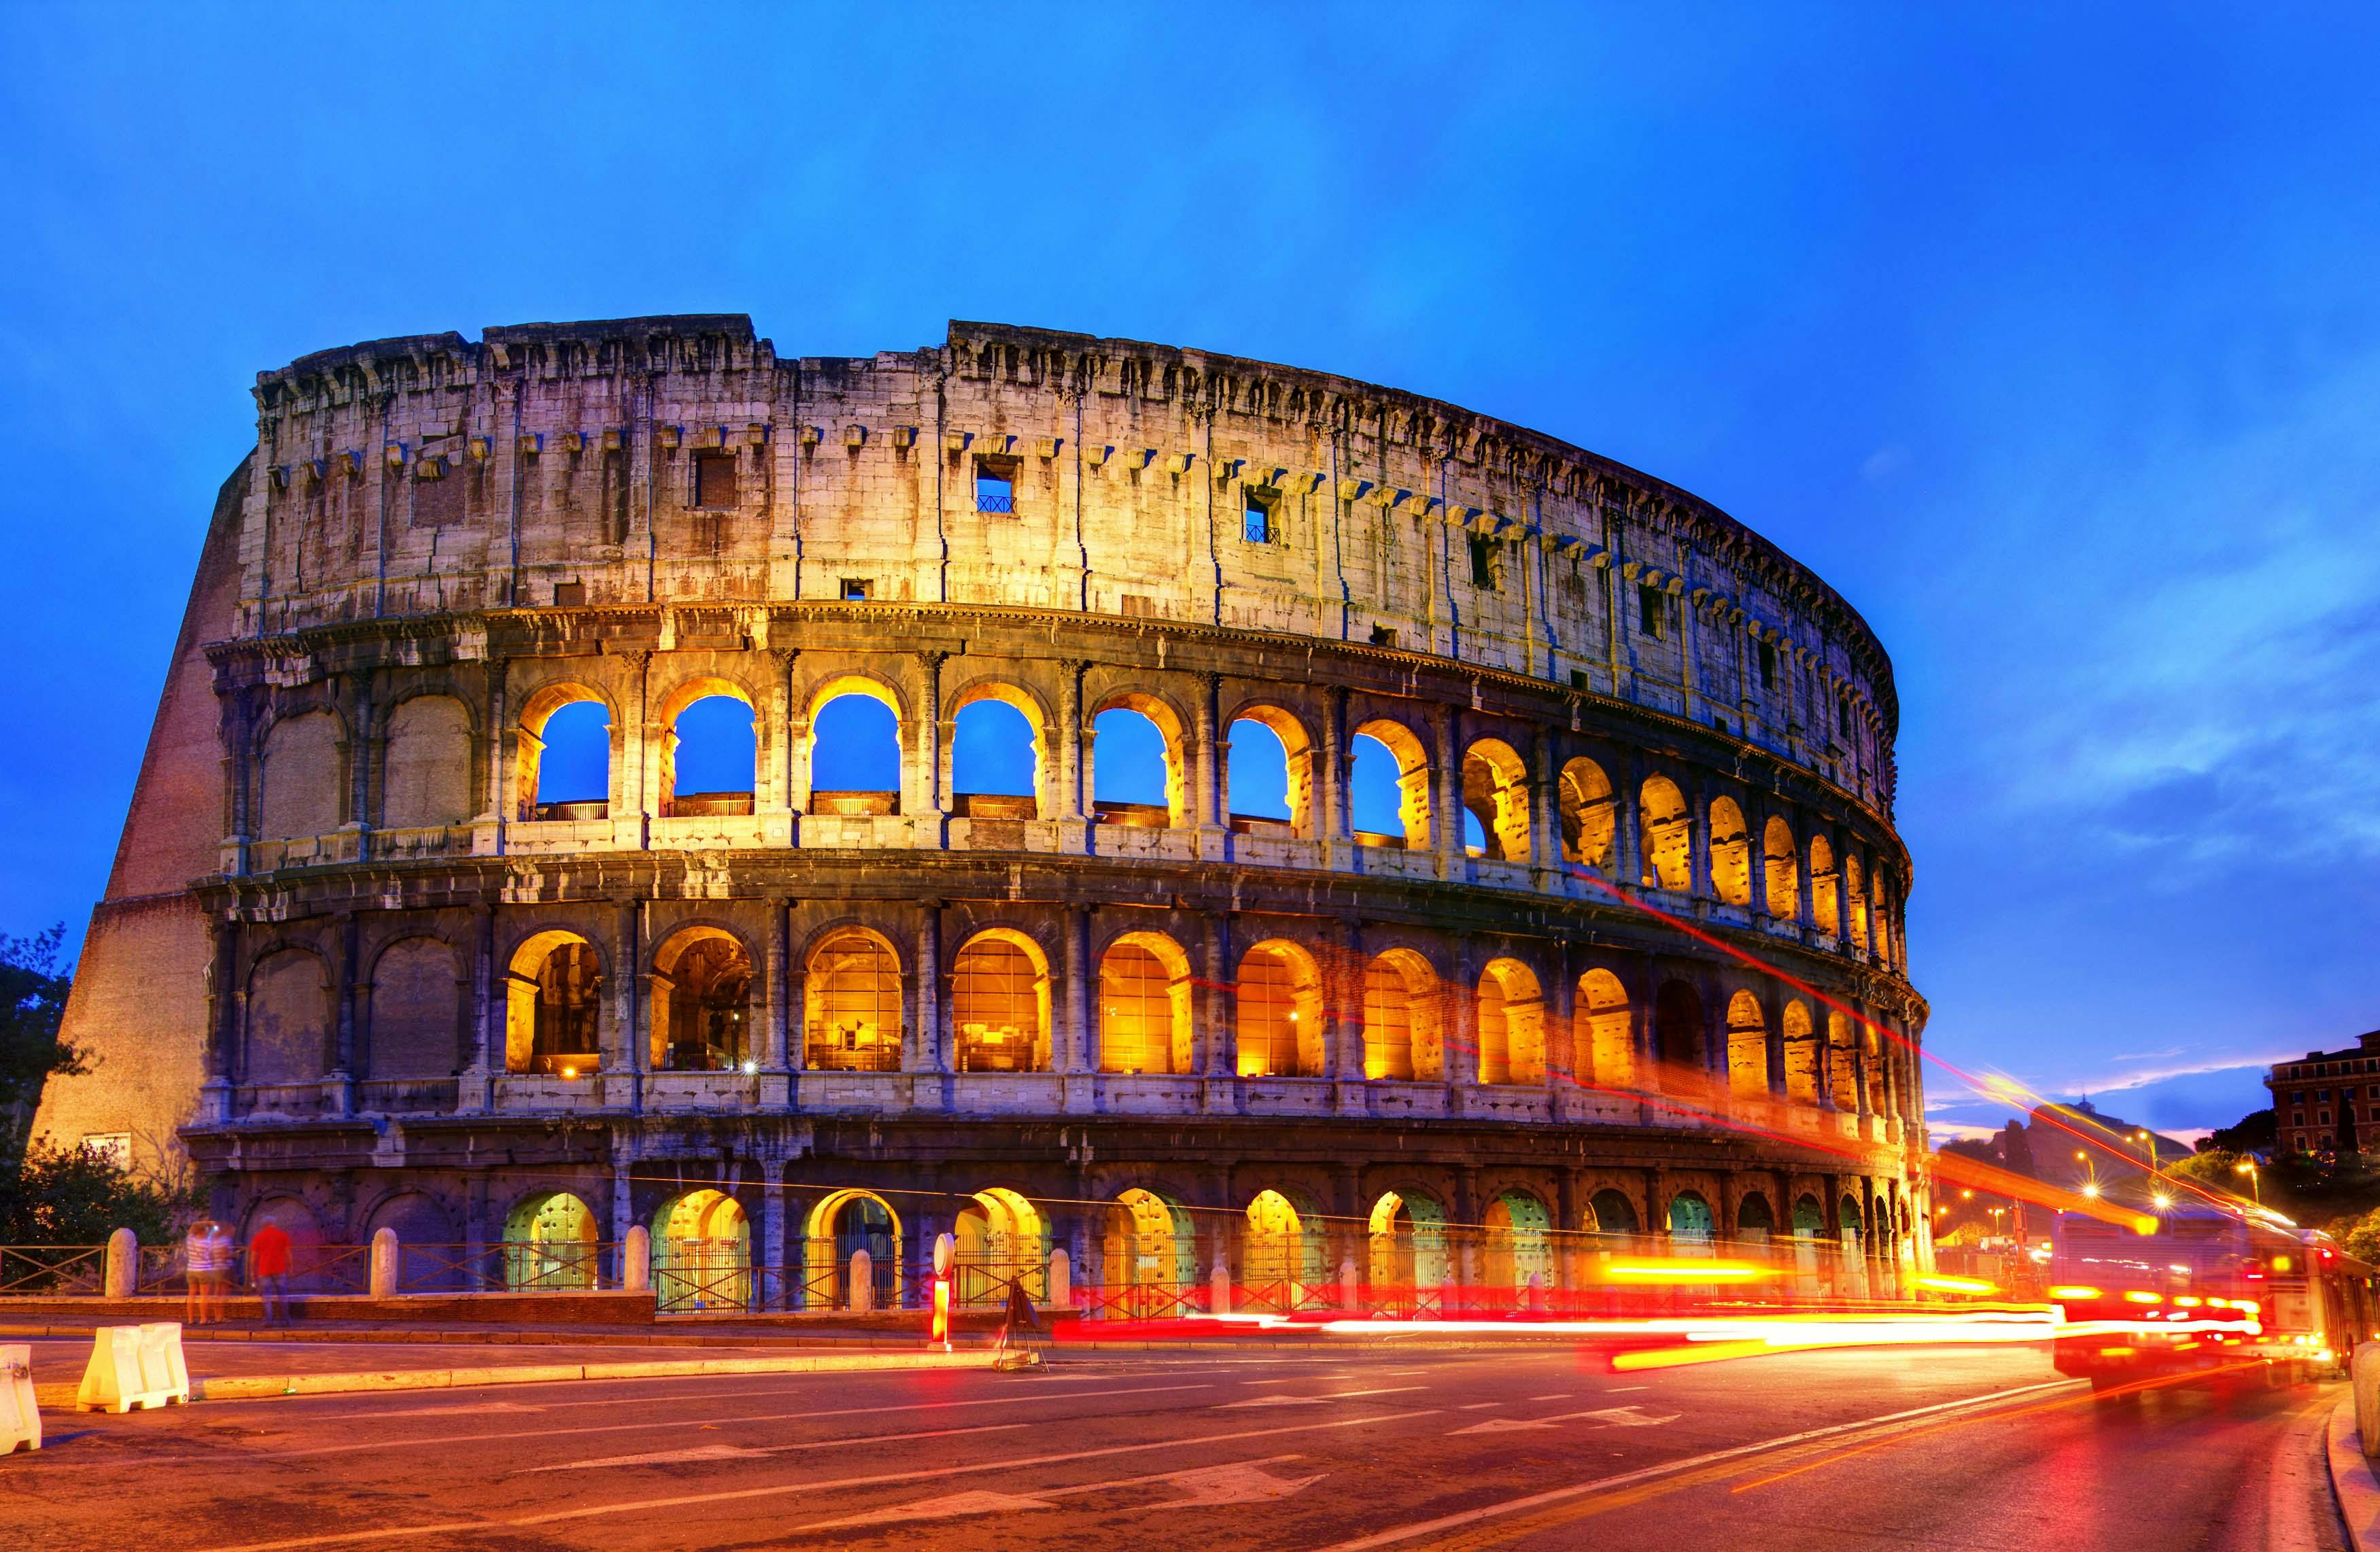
268	1268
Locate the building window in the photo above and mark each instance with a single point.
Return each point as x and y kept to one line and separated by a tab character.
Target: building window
1255	521
1843	718
569	595
858	589
1383	636
1483	562
1578	679
715	479
1768	665
1652	610
2322	1118
995	484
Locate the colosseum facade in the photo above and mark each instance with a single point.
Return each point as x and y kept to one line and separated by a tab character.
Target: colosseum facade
368	959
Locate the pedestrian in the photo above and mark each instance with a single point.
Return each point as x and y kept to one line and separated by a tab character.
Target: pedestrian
268	1268
206	1266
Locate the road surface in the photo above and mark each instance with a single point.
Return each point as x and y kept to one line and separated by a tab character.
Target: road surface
1229	1448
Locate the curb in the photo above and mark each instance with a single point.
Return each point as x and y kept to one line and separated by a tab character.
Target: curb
2353	1482
538	1335
241	1387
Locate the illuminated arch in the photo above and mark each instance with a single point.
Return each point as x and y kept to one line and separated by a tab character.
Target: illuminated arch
1611	1029
1408	1259
1495	792
1730	853
1145	998
1279	1004
851	1003
1843	1051
681	698
702	1007
1402	1037
1588	818
1690	1219
1518	1244
702	1252
1857	896
1784	866
1148	1253
1000	1240
528	751
1667	833
845	1221
1000	1003
1747	1046
1412	777
550	1243
1160	715
1824	901
1610	1212
1297	755
555	1012
969	784
1283	1255
1512	1025
1801	1055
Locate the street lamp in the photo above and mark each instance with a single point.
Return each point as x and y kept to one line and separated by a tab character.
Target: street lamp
2255	1178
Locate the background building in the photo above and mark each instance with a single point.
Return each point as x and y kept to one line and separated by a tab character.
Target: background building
414	923
2328	1101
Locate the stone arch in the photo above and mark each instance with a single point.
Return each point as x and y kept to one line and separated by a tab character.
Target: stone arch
845	1221
851	1002
1856	894
1611	1212
1000	1003
1679	1038
1747	1046
1412	759
722	746
1403	1038
1809	1218
1282	1252
1588	817
428	1248
529	746
1149	1252
300	776
1000	1237
1518	1243
1278	1002
1851	1223
1144	1001
416	1010
702	1007
1512	1025
1843	1051
555	1013
839	799
1801	1055
294	1217
1730	853
1668	832
1165	720
1297	759
702	1252
1784	866
1823	886
989	722
550	1243
1691	1219
1754	1220
426	764
1496	793
1610	1030
1407	1245
288	1029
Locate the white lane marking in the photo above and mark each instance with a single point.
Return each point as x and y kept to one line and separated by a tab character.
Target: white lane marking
1623	1389
667	1456
974	1500
1557	1396
649	1424
1205	1487
1671	1468
1477	1406
723	1390
1609	1417
1315	1400
740	1452
459	1411
1499	1426
738	1494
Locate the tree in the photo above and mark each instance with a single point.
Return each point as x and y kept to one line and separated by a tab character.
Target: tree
2362	1240
32	1002
2256	1132
72	1196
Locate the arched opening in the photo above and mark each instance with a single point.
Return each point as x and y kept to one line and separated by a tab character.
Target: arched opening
1730	853
416	1012
1000	1003
1809	1218
1000	1241
428	1251
1823	904
996	755
1284	1252
1608	1212
710	755
1611	1029
426	765
1271	774
1135	757
851	1004
1408	1258
289	1018
1149	1253
298	786
1754	1221
1278	1002
563	755
1845	1064
1496	795
1400	1026
1874	1045
553	1006
1512	1025
854	748
1517	1245
1678	1038
841	1224
1801	1055
1588	818
1668	831
1858	899
1880	913
1144	1005
1853	1229
702	1254
1747	1046
1784	871
295	1220
701	1007
1689	1219
1388	786
550	1243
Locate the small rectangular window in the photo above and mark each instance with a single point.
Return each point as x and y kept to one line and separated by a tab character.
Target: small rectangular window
1652	610
1578	679
1255	522
1768	665
569	595
113	1147
1483	562
1136	606
1843	718
995	485
857	589
715	479
1382	636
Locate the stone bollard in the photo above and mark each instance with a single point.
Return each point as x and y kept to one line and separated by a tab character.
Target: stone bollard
1350	1296
1219	1285
863	1283
1537	1292
123	1264
637	1260
383	1263
2363	1369
1062	1280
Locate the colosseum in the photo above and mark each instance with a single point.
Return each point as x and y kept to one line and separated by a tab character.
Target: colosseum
1160	805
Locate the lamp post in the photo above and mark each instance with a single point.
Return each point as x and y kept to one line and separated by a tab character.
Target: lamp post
2255	1178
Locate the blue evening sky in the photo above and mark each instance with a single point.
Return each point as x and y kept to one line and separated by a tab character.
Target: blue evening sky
2049	335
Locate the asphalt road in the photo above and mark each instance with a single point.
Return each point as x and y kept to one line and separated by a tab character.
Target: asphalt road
1224	1449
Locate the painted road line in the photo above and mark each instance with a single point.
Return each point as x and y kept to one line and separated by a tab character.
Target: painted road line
745	1495
742	1452
1206	1486
1034	1380
1316	1400
1672	1468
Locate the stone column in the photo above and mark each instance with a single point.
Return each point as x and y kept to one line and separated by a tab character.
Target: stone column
1544	810
497	728
1334	830
1461	1043
222	1019
630	802
779	1056
1698	865
1446	796
1074	1033
926	1053
1627	826
1755	851
1220	1055
345	1049
1562	1041
1073	807
1211	778
627	1059
1841	925
489	1009
778	1280
777	802
933	805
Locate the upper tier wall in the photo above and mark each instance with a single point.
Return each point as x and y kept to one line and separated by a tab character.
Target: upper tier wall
563	463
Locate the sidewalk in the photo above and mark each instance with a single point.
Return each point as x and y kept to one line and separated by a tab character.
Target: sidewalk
2352	1478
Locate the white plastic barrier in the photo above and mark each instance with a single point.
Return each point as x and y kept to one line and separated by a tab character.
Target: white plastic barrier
135	1366
20	1418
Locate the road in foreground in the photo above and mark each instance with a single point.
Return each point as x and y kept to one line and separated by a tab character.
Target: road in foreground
1229	1448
